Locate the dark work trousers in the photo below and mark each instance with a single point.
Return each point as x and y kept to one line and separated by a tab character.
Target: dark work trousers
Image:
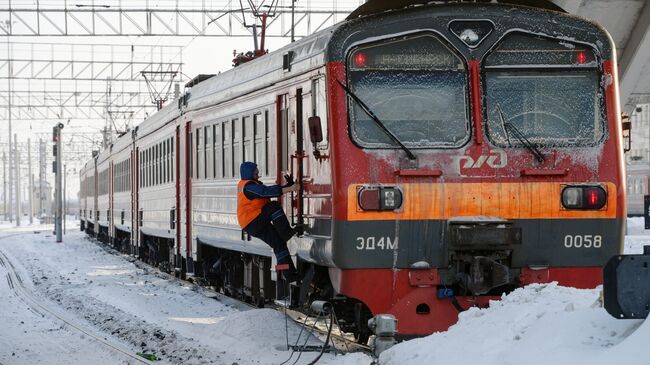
272	227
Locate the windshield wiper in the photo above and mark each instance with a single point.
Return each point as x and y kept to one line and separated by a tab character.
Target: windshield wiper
381	125
510	128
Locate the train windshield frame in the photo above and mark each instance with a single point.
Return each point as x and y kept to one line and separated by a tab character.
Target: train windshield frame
417	85
549	89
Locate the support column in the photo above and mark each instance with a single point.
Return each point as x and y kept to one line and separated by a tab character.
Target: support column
17	180
31	181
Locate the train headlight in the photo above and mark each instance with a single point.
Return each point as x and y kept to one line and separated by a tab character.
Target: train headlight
379	198
584	197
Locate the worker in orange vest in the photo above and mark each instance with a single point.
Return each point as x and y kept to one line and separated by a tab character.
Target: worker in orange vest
262	218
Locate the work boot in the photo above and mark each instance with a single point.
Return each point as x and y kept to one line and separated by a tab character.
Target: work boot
290	275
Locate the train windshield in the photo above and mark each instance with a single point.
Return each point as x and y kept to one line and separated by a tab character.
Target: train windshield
416	86
549	90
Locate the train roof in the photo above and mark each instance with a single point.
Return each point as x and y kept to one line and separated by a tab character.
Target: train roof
332	44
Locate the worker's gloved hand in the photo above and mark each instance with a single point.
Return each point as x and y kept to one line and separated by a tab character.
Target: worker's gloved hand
289	180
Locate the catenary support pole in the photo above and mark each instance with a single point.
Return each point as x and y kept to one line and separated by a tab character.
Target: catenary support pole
65	197
17	180
9	75
58	171
4	185
31	181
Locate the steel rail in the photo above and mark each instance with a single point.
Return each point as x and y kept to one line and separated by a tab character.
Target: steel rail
17	285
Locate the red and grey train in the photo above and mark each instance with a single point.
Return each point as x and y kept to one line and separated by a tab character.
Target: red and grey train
447	153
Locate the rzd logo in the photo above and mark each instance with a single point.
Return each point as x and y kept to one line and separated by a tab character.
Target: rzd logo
496	159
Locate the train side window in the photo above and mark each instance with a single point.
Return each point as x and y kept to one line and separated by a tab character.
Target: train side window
165	161
283	139
227	149
169	159
140	169
218	161
199	154
248	137
158	164
145	168
173	160
267	145
142	166
209	164
191	156
237	151
150	163
161	162
319	108
260	147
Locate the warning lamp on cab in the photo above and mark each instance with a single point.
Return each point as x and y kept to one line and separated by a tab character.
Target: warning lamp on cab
584	197
360	60
581	57
379	198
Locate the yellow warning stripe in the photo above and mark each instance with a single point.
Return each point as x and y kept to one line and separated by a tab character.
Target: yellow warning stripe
539	200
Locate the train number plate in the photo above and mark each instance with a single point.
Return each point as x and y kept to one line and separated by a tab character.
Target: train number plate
376	243
583	241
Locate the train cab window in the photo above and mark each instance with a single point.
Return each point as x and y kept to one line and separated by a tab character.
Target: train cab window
416	85
549	90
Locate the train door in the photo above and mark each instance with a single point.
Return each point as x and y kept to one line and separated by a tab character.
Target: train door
111	197
291	151
176	155
187	261
134	196
283	153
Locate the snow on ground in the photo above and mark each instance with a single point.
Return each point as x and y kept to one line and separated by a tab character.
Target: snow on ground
135	306
142	310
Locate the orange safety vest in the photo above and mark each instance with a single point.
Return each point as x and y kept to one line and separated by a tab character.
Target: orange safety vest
248	209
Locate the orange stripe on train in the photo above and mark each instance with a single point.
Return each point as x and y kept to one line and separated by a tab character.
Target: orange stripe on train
537	200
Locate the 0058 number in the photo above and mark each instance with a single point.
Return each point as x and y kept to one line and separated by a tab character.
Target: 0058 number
583	241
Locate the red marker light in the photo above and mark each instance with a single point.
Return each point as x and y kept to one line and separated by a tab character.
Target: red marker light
592	197
360	60
581	57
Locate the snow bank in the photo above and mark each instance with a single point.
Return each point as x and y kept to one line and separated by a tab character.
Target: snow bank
539	324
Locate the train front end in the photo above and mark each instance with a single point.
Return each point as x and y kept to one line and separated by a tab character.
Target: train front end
475	149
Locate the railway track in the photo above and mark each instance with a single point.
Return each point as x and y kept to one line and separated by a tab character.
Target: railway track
343	341
17	285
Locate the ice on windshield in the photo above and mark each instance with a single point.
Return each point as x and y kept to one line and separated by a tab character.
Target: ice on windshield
551	93
416	87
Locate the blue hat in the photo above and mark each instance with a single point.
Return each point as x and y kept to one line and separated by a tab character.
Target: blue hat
247	170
